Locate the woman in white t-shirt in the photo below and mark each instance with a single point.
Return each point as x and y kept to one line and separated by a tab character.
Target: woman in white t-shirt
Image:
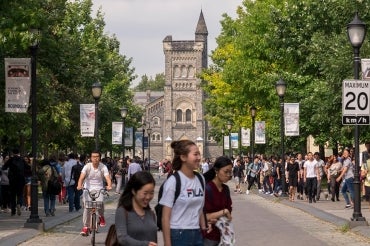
183	220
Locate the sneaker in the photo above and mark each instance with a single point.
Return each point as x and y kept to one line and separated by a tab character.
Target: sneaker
348	206
52	212
102	221
85	231
247	192
19	210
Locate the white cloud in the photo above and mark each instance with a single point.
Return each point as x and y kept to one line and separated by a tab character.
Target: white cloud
141	26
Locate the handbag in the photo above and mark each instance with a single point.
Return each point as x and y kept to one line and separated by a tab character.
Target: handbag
111	239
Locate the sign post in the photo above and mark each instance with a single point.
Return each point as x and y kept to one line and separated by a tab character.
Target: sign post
356	102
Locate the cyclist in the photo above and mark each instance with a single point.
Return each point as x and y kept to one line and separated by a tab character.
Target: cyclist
92	178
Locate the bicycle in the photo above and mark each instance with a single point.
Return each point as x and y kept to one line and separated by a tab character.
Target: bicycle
93	205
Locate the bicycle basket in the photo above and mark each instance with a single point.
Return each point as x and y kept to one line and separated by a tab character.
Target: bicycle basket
93	204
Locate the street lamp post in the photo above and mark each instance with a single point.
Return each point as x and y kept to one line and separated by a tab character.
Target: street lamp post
229	126
142	139
253	112
223	142
123	115
149	131
356	31
96	90
280	87
34	220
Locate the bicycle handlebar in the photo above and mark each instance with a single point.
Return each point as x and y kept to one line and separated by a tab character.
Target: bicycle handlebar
96	194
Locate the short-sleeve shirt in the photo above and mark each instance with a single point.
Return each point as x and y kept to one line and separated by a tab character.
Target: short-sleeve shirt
188	206
310	168
94	179
366	166
348	163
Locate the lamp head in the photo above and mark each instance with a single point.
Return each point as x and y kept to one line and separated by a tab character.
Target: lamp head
280	87
149	131
356	31
96	90
253	111
124	112
229	125
35	34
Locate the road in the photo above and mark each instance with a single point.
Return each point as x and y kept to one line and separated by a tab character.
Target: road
257	221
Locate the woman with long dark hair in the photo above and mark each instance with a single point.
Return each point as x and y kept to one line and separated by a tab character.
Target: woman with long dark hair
218	201
183	220
135	221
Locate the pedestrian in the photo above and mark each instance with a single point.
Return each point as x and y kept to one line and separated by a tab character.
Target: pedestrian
253	170
27	186
16	175
133	167
334	169
311	175
183	221
69	181
205	165
293	177
321	167
75	174
135	221
218	201
92	177
347	175
365	174
119	175
267	172
5	188
238	176
45	173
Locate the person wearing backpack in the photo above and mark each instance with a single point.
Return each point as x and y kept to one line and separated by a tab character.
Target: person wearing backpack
16	175
218	201
183	221
135	222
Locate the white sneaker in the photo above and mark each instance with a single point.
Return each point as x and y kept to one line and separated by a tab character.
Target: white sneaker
247	192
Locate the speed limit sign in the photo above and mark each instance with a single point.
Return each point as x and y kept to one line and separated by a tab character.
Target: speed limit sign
356	102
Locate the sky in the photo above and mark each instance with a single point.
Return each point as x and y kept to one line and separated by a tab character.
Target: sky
141	25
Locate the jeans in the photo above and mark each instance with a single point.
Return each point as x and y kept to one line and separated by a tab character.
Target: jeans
74	198
16	196
186	237
311	187
277	185
119	183
49	202
266	184
348	185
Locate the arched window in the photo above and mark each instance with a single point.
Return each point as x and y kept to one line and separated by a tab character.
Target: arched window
176	71
156	121
179	115
184	72
188	115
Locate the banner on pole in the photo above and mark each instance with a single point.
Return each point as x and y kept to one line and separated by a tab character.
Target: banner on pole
291	119
129	136
260	137
87	120
226	142
116	133
365	67
246	136
234	140
17	84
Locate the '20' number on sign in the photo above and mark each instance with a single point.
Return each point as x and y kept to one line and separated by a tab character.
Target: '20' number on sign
362	101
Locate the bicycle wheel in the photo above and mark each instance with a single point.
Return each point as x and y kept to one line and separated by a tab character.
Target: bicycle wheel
93	228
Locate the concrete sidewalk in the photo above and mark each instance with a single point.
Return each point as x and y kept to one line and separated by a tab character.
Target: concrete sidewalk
13	232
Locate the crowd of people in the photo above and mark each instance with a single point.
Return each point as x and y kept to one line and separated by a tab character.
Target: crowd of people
193	205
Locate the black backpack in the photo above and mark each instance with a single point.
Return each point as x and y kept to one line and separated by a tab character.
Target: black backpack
76	172
158	208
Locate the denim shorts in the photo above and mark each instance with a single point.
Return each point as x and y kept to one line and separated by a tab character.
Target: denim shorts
186	237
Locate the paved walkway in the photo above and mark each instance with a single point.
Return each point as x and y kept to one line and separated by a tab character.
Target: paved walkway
13	232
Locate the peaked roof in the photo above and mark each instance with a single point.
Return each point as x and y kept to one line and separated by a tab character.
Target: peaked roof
201	26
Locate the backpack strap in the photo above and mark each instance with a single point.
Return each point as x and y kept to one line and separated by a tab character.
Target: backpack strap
178	186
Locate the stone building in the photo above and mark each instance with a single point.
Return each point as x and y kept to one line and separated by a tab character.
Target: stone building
178	112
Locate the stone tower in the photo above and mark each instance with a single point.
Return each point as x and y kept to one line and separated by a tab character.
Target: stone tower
179	114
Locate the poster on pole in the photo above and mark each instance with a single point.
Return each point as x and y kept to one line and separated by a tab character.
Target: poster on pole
246	136
116	133
365	67
260	137
291	119
234	140
226	142
129	136
87	120
17	84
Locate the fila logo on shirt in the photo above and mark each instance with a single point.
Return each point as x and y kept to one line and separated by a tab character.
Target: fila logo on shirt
194	193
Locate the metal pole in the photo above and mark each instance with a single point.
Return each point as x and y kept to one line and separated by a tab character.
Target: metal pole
357	216
149	152
142	144
282	146
223	144
96	124
252	143
230	150
123	137
34	220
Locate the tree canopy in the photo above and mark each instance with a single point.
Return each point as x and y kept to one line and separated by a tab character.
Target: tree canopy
73	53
302	42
